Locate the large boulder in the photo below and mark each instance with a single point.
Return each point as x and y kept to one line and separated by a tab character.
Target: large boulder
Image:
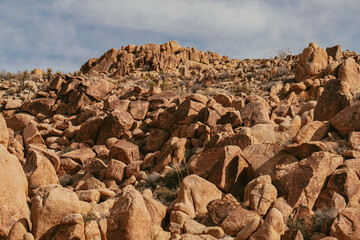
39	170
129	218
19	121
49	206
304	182
114	125
194	195
39	105
221	166
99	89
272	228
347	120
254	113
13	192
4	134
347	224
336	96
124	151
260	194
312	61
349	72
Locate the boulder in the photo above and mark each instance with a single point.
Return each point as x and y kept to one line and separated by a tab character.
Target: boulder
39	170
171	154
129	218
139	109
46	213
80	155
114	125
32	135
99	89
156	140
194	195
334	52
19	121
116	170
345	181
314	131
347	224
90	130
156	210
71	227
221	166
347	120
237	220
13	191
39	105
304	182
260	194
4	134
218	209
124	151
312	61
272	228
336	96
349	72
254	113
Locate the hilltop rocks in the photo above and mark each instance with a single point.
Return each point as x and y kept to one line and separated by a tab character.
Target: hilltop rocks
168	142
13	190
349	72
312	61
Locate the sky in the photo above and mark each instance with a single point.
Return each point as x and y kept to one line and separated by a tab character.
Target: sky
64	34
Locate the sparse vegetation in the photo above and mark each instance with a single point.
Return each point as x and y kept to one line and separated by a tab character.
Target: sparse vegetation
280	53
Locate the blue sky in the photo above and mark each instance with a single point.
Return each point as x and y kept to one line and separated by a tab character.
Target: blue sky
64	34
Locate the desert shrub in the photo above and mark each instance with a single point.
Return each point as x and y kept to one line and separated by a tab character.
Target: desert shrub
166	195
90	216
282	71
280	53
151	83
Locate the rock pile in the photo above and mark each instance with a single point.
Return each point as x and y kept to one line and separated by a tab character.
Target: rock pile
272	151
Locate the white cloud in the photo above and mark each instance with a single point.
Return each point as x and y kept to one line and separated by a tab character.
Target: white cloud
65	33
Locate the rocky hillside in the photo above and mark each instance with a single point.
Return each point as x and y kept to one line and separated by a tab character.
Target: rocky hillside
166	142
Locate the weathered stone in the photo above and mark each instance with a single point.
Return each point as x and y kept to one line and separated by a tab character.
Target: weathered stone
347	224
19	121
4	134
194	195
71	227
335	98
311	62
232	117
334	52
139	109
304	150
249	229
46	212
349	72
172	153
13	190
347	120
90	130
221	166
156	139
32	135
124	151
129	218
237	220
254	113
80	155
272	228
99	89
193	227
314	131
40	105
114	125
219	209
259	194
208	116
304	182
39	170
116	170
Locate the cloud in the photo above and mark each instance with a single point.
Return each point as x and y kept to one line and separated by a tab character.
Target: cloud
63	34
